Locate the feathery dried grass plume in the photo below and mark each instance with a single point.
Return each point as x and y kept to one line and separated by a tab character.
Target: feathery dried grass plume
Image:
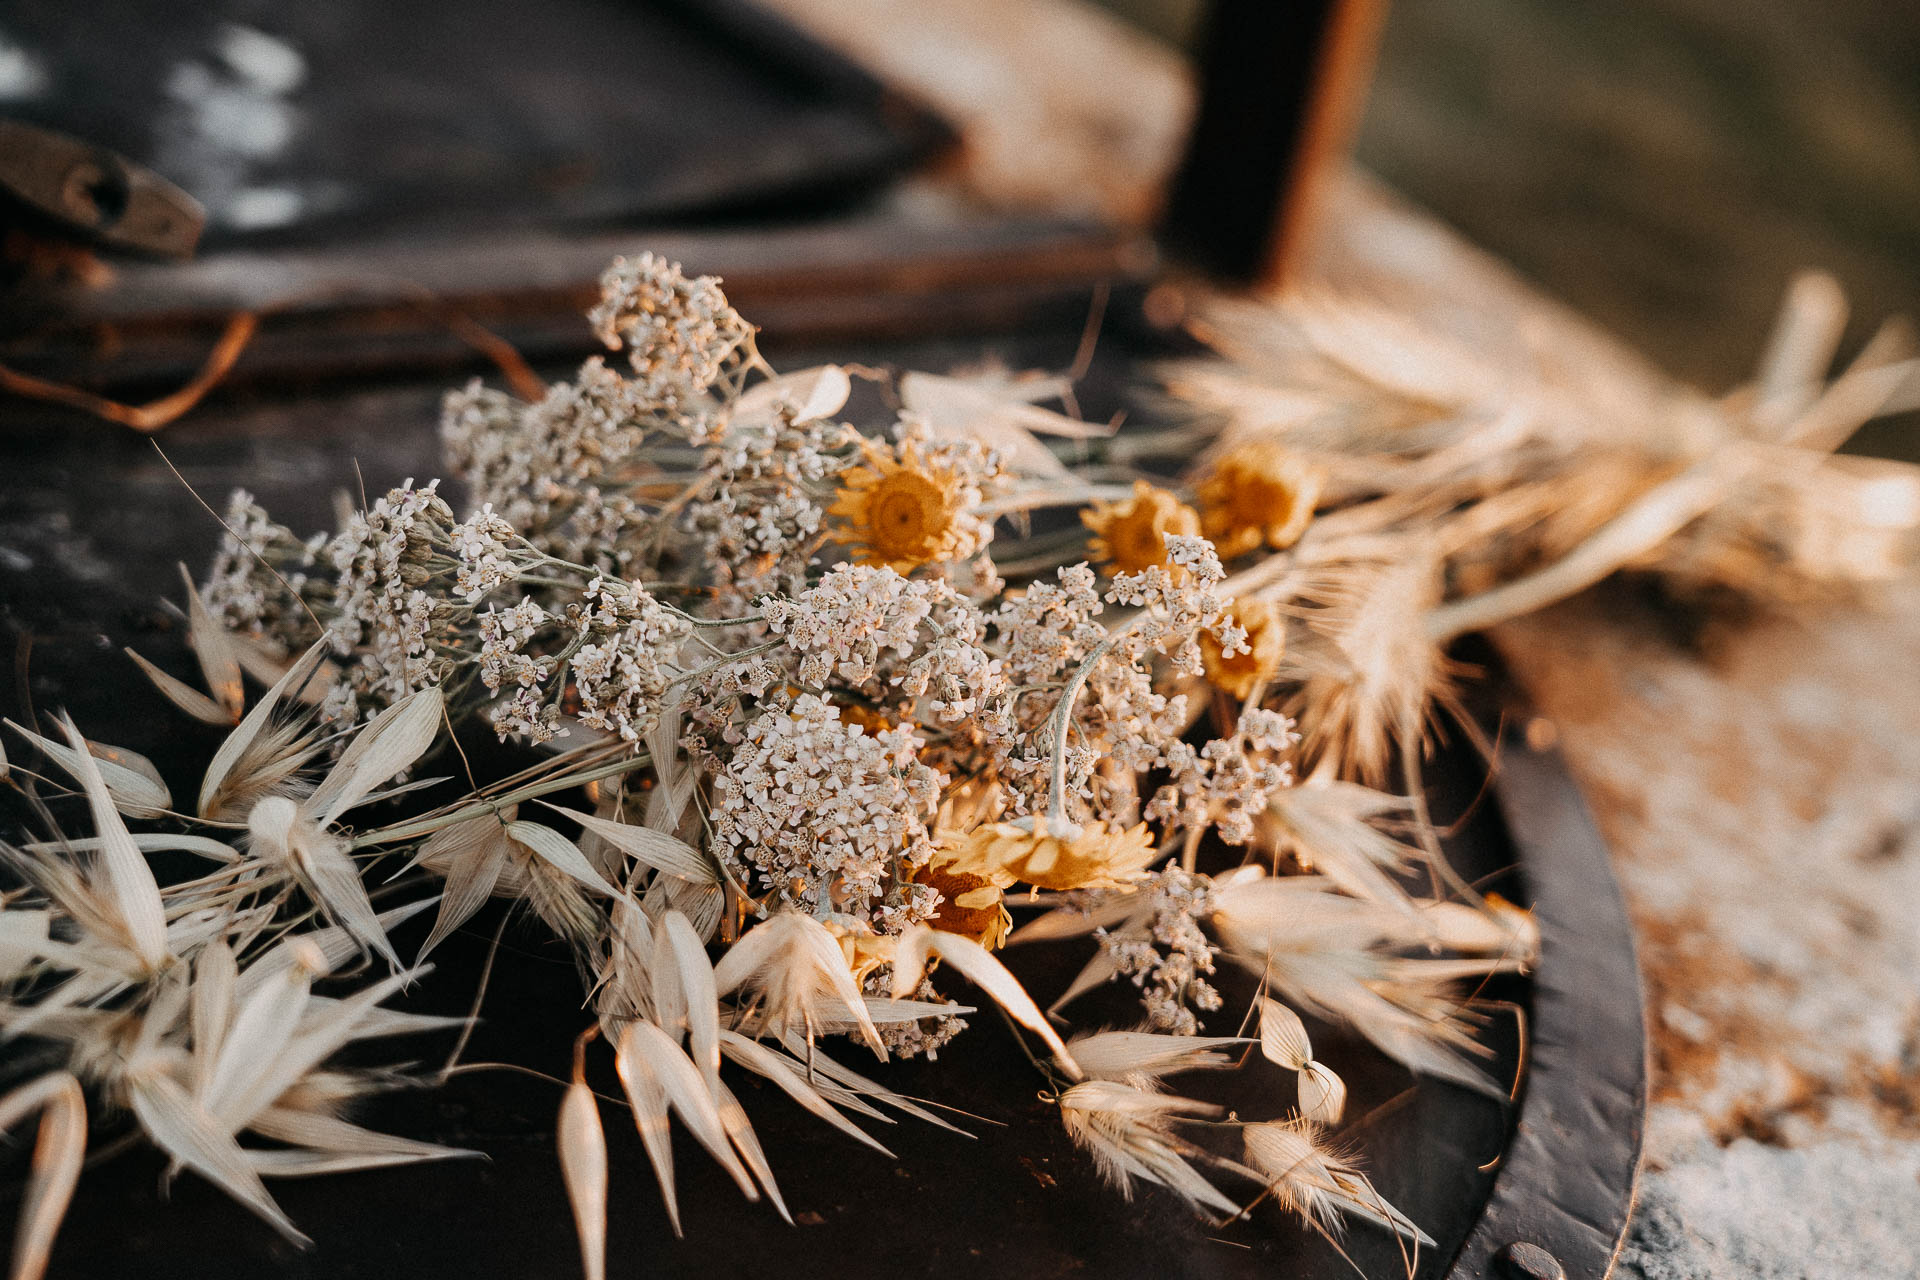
1129	1133
1340	957
1464	488
1315	1182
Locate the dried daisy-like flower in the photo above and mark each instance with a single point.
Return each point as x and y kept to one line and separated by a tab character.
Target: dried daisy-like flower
1131	536
907	507
1100	856
1262	633
970	900
1259	493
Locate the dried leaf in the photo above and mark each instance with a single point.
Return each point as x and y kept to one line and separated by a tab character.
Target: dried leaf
388	744
331	1136
253	725
145	842
470	879
267	666
316	1164
810	395
733	1118
583	1166
135	893
959	410
561	853
325	1030
183	695
58	1152
763	1061
977	963
1323	1095
674	779
648	1098
701	1001
656	1075
131	780
261	1029
213	649
1101	967
1283	1037
182	1128
1073	922
216	977
649	847
849	1087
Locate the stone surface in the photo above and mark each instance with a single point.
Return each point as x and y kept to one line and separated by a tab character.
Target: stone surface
1760	790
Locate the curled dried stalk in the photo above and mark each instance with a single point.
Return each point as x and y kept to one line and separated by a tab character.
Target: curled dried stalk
154	414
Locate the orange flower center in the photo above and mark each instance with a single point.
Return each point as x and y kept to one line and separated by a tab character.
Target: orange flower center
906	515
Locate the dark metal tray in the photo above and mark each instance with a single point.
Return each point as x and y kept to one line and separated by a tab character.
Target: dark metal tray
92	521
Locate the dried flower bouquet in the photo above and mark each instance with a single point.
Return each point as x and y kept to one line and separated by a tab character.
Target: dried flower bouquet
802	746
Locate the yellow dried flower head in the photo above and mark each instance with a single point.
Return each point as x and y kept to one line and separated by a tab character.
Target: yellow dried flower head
902	513
1100	857
1267	644
1130	536
970	904
1258	492
868	718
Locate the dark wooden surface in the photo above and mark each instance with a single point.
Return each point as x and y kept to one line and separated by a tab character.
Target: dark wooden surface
355	309
488	114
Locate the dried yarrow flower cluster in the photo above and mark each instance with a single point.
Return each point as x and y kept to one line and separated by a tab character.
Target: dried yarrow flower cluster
796	738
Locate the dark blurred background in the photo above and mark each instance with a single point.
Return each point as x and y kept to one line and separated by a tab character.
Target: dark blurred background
1661	165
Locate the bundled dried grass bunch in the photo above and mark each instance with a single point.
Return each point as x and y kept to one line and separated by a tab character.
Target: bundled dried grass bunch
816	710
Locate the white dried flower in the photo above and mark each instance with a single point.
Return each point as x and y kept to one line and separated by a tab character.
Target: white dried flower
833	818
625	645
678	331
